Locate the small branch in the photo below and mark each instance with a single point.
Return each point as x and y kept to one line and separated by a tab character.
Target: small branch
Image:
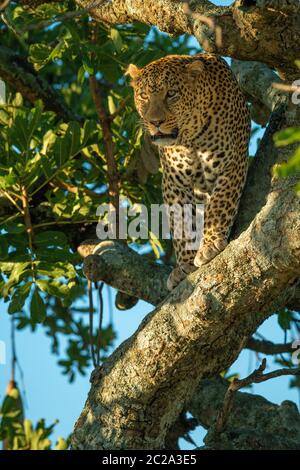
11	199
255	377
13	351
254	422
259	83
105	122
267	347
74	189
29	228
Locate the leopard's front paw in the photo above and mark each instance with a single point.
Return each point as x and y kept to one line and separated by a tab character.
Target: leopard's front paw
208	251
178	274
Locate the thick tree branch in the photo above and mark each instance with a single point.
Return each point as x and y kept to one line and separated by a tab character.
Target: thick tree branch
269	35
20	75
267	347
254	422
257	82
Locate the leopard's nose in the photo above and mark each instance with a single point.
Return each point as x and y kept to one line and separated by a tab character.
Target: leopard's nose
156	123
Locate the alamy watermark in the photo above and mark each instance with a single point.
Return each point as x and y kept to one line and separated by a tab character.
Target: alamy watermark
296	354
2	93
138	221
296	93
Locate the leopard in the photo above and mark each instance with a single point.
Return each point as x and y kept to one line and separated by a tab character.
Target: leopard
195	112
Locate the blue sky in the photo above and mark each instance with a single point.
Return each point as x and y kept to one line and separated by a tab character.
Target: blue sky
50	396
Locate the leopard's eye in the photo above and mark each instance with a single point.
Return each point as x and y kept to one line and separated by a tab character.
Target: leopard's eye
171	93
143	96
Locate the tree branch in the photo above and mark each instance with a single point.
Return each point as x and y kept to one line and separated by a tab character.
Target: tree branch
254	422
257	376
267	347
20	75
257	82
248	33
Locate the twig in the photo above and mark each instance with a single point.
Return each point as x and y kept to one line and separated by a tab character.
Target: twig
66	222
29	228
91	313
100	289
267	347
255	377
13	351
8	196
105	122
74	189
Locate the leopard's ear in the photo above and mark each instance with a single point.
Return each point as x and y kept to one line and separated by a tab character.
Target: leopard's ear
133	71
195	68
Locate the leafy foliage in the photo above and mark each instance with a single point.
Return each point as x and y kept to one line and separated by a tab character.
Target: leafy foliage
289	136
18	433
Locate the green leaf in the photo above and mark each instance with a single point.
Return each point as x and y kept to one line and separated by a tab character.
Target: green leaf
14	227
3	247
37	307
61	444
18	272
89	133
116	38
291	135
284	319
56	270
68	146
50	238
289	168
53	288
8	180
41	54
19	297
87	67
80	75
48	141
10	401
34	119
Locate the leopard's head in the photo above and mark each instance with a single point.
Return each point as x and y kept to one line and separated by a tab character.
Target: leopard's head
164	93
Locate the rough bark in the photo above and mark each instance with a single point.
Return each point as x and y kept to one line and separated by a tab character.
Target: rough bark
265	31
254	422
257	80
